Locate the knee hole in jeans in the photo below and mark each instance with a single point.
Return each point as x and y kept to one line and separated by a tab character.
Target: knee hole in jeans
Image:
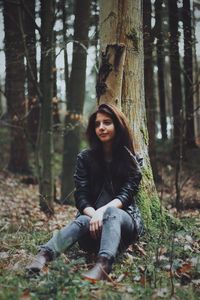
110	213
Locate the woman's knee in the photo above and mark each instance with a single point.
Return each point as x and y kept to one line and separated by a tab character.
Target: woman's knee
112	212
82	220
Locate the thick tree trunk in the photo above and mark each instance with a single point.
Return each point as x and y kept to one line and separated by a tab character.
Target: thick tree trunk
188	74
33	88
14	87
160	65
46	82
175	77
76	98
121	30
149	85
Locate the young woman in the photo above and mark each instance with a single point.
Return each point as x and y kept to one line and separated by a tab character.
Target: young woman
107	178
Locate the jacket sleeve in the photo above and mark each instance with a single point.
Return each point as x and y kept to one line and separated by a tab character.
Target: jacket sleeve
81	178
130	187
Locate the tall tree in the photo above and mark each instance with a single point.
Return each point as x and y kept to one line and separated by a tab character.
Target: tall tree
160	64
175	77
14	86
46	181
148	83
28	30
66	68
76	97
121	82
188	74
195	7
56	116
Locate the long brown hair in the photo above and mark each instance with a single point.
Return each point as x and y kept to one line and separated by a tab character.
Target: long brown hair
123	137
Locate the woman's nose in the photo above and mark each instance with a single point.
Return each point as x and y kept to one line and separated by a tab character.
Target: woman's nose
101	125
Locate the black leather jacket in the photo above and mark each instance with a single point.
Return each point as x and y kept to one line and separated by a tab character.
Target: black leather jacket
88	189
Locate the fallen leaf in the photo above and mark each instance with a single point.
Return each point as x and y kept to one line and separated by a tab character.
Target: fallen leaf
161	293
121	277
188	247
139	249
196	282
26	295
4	255
185	268
162	250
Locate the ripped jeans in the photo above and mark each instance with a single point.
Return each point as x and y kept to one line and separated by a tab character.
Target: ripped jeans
118	233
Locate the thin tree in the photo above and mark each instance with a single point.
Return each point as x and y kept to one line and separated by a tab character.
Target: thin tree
175	76
196	75
121	82
14	87
188	74
56	116
160	64
46	181
76	97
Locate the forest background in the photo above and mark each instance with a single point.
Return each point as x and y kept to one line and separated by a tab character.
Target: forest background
58	60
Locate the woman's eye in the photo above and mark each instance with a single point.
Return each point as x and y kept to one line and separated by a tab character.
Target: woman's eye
97	124
108	122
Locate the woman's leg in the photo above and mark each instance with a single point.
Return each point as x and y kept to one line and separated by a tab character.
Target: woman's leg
67	236
117	232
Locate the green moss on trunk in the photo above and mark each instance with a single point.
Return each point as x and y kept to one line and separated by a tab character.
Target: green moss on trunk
149	203
156	217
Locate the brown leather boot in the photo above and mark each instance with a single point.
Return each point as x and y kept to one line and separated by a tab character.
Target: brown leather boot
39	261
100	270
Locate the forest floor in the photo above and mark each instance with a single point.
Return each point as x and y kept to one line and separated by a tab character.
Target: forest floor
163	265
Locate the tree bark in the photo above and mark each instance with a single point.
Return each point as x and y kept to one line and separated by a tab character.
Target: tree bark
32	83
76	98
175	77
160	65
149	85
46	180
197	82
56	116
14	87
121	29
66	67
188	74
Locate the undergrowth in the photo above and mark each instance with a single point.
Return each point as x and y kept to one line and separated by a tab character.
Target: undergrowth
161	266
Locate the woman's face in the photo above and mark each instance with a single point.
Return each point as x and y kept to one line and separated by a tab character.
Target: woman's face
104	128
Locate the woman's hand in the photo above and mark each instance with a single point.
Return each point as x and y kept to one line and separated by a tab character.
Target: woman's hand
96	223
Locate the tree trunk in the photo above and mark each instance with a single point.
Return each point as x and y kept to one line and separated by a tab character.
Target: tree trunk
175	77
46	82
76	98
197	81
188	74
14	87
56	116
160	65
148	85
32	83
121	42
64	23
